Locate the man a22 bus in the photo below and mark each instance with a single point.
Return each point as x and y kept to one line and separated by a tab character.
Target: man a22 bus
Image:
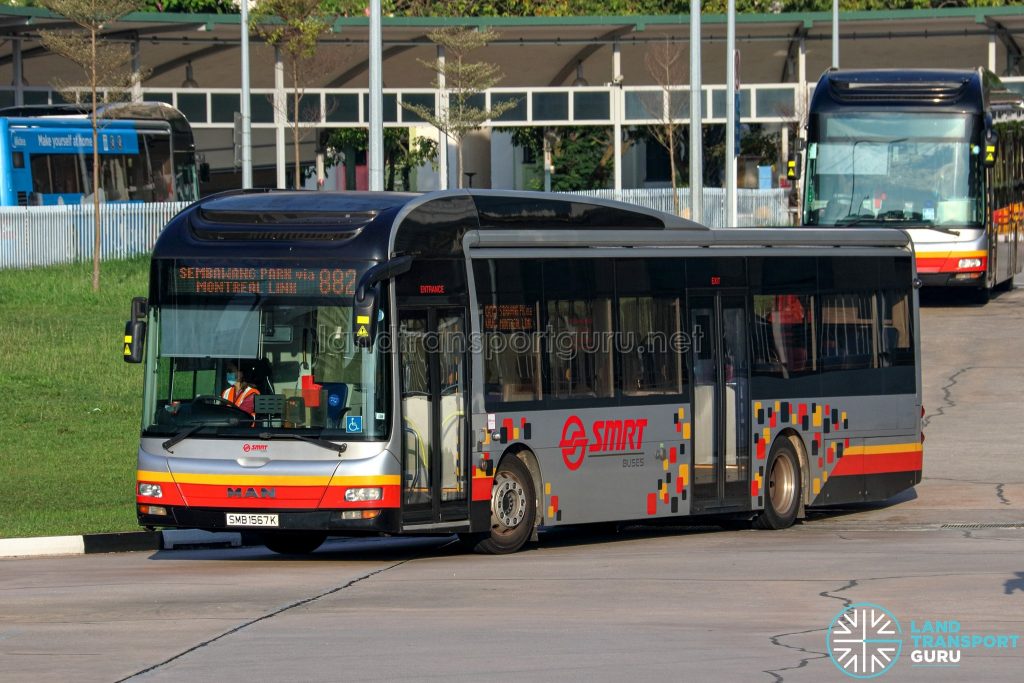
485	363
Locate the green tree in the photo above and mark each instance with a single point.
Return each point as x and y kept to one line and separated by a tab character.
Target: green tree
103	65
667	65
463	82
296	27
402	152
583	157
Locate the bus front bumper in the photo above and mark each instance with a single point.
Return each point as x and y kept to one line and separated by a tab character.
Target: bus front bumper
331	521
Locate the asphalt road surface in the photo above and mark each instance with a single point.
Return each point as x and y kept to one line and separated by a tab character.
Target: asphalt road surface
664	604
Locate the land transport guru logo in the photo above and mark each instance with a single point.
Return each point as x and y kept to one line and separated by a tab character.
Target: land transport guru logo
606	437
865	640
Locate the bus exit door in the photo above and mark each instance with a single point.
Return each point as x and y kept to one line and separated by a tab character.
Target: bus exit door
721	431
432	362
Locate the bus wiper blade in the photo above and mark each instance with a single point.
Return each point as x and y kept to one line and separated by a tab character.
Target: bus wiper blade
184	434
315	440
937	228
855	220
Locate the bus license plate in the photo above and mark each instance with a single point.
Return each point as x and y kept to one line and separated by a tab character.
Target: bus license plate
251	519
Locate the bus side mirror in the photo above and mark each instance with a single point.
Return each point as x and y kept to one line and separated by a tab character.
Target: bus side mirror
793	167
204	172
990	148
365	302
135	331
364	317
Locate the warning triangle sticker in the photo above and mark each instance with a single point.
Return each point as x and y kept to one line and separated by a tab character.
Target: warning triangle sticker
361	332
127	350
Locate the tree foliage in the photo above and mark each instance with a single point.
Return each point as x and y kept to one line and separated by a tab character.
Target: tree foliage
102	65
296	27
402	153
463	82
582	157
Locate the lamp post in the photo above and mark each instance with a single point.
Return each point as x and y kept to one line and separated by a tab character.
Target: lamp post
376	156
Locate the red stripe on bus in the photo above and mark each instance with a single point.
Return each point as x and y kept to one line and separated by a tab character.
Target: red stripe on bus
878	463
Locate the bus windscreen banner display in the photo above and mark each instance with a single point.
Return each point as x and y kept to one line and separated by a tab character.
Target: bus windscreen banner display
73	141
231	279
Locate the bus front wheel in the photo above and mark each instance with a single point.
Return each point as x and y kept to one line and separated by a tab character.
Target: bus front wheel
782	488
513	509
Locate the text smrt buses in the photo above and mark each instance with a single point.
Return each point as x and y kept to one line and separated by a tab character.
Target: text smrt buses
146	149
938	153
485	363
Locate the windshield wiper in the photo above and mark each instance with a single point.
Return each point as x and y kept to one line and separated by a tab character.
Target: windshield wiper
938	228
855	220
185	433
315	440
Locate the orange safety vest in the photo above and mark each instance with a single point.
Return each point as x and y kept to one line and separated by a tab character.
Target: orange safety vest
238	398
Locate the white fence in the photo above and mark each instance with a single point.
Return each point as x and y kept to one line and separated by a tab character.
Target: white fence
46	235
754	208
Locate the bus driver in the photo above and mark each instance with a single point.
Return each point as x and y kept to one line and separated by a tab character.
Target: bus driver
241	393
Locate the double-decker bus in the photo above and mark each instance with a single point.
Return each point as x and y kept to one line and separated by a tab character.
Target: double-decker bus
938	153
147	154
485	363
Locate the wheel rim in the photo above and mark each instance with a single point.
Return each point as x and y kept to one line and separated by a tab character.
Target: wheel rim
508	503
782	484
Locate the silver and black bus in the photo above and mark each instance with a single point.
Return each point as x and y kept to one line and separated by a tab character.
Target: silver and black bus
487	363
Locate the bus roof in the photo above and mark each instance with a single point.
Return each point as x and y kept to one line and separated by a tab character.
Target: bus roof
131	111
379	225
950	90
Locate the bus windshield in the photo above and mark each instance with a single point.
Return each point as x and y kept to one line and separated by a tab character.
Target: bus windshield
243	348
902	168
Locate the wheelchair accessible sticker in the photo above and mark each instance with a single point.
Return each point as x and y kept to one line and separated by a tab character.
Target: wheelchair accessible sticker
354	424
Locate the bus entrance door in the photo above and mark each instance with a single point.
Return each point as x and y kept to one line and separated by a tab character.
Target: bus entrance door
721	370
432	362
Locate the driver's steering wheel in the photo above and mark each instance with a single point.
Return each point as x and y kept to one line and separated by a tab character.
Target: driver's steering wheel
219	402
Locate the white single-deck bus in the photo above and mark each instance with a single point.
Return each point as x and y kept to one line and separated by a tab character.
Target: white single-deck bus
485	363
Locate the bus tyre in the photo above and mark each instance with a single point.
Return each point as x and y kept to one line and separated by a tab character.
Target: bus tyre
294	542
513	509
781	488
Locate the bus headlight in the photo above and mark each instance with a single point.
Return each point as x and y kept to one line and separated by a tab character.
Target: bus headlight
150	490
969	263
363	494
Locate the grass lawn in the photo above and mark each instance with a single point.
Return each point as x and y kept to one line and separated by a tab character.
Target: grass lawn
69	406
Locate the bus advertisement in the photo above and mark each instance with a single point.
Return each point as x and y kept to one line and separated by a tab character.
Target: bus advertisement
147	154
938	153
486	363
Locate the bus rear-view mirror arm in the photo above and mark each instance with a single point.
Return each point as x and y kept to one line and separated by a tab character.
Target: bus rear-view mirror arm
366	300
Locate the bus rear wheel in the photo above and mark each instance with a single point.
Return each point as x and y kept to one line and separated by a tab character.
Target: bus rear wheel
782	488
513	509
293	542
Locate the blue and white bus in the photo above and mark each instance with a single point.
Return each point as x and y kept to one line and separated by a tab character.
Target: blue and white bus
147	154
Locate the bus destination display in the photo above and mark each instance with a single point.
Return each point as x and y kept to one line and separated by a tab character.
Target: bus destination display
263	280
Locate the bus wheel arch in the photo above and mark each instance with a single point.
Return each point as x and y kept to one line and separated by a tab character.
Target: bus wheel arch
783	486
515	504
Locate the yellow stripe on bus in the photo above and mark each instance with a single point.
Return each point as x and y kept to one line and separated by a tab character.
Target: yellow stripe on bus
884	449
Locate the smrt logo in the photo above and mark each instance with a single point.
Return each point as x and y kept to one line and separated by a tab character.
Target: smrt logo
247	447
606	436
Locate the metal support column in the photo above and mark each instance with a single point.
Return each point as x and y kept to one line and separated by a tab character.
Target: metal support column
696	132
730	118
618	114
376	152
280	120
442	137
245	103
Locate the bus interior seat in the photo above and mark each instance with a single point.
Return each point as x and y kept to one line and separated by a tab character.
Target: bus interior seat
337	403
